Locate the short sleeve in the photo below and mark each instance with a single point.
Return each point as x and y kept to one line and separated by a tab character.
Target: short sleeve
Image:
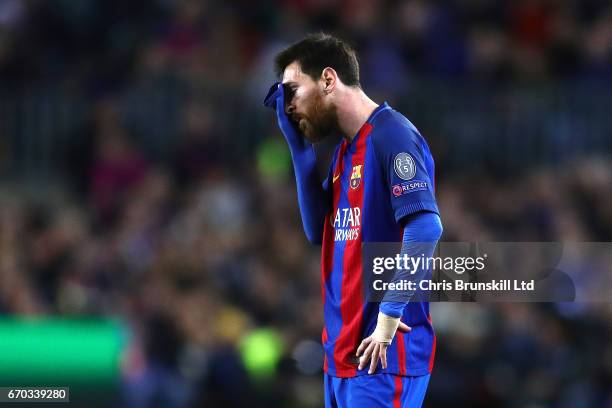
407	167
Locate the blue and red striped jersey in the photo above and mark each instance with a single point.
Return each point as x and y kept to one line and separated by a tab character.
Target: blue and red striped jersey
384	174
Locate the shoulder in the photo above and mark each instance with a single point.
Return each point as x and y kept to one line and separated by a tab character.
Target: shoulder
392	130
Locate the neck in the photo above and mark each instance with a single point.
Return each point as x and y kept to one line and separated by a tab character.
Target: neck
354	108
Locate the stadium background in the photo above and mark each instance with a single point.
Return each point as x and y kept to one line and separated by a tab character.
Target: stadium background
151	252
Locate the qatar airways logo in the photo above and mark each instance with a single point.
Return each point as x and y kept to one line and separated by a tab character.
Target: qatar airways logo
346	223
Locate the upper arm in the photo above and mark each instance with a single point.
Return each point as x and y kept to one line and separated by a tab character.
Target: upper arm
424	226
407	167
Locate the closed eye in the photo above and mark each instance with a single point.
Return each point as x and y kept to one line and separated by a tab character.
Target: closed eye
289	91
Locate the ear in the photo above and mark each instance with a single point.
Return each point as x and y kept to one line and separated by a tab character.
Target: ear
329	79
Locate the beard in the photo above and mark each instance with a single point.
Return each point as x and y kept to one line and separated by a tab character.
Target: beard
319	121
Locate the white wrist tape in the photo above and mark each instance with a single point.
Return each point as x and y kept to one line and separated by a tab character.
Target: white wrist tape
386	327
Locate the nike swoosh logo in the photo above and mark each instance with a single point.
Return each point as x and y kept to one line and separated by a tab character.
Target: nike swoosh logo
335	178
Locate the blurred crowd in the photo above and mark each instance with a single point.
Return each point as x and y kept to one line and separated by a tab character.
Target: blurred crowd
114	40
196	245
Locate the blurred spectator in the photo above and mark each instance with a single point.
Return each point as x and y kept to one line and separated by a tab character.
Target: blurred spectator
117	168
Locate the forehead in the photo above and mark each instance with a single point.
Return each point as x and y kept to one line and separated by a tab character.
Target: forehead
293	73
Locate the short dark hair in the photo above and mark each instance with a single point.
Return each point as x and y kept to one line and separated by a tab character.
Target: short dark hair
318	51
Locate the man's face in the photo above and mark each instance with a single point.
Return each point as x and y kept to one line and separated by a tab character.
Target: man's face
307	105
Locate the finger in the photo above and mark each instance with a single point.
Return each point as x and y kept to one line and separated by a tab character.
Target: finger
404	328
374	359
363	360
383	356
363	345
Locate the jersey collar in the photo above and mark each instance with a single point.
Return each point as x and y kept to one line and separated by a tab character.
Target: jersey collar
382	107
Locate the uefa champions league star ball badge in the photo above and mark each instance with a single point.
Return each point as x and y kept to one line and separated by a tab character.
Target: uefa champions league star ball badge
405	168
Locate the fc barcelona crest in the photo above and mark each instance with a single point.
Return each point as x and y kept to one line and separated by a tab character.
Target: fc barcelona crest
356	176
